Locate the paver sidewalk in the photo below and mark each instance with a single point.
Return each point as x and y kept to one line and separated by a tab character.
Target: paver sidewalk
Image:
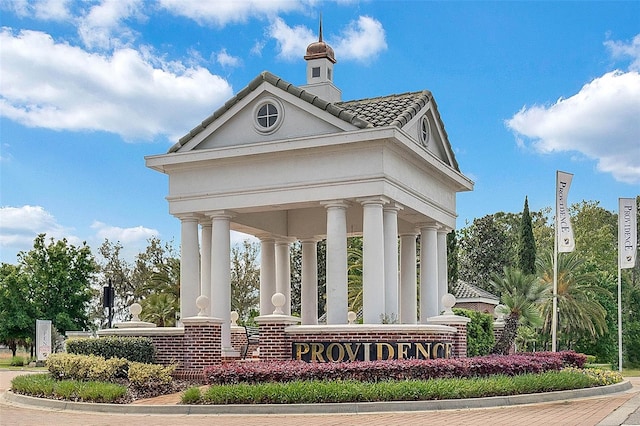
582	412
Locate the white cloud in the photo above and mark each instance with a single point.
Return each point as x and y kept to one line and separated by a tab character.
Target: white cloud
103	26
136	95
363	40
223	12
19	226
46	10
622	50
127	236
226	60
601	122
292	42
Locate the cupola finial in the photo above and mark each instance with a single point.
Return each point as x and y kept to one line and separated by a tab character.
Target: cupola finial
320	32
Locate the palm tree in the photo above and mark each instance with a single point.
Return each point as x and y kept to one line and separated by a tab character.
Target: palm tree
160	309
579	310
354	277
520	294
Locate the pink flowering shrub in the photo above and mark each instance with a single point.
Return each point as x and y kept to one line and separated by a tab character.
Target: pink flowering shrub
375	371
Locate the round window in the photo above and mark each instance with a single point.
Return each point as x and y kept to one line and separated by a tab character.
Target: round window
268	116
424	131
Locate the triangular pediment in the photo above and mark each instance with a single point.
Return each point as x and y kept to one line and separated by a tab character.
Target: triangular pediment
268	109
271	109
416	113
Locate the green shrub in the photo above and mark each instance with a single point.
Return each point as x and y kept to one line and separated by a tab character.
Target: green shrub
480	338
144	374
100	392
17	361
86	367
33	384
310	391
591	359
192	396
138	349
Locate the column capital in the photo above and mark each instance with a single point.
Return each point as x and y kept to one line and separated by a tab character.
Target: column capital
189	217
284	240
428	225
377	200
220	214
205	222
392	206
337	204
313	239
443	229
413	233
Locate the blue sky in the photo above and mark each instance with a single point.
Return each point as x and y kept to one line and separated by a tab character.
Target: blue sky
88	88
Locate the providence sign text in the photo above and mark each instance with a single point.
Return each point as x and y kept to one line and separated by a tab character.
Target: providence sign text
369	351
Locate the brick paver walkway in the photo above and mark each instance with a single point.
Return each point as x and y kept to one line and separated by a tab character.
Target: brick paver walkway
583	412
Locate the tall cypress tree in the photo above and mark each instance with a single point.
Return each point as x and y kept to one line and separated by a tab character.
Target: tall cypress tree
527	247
452	257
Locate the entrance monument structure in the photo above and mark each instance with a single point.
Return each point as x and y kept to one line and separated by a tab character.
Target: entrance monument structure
292	163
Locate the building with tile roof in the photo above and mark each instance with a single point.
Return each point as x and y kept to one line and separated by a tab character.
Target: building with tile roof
468	296
296	163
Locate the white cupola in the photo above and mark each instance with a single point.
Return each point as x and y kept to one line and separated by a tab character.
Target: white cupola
320	59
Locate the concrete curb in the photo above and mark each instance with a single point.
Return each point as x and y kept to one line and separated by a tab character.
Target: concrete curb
341	408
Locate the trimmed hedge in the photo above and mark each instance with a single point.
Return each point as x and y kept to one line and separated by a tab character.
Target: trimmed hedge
138	349
86	367
480	337
375	371
95	368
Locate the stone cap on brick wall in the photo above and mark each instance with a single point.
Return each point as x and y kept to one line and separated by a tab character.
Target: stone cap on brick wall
338	328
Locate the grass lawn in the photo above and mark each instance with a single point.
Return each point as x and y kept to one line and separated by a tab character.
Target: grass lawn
5	360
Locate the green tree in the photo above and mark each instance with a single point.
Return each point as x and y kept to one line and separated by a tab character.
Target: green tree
527	243
17	310
245	279
160	309
114	268
354	273
60	275
452	257
521	294
579	312
485	249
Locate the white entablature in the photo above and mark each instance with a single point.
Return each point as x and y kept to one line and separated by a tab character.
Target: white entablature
279	162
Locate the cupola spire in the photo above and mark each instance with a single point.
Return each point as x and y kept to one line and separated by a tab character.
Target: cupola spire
320	59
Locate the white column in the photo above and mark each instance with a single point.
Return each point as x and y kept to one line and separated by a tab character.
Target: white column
221	274
428	272
189	265
391	289
373	261
309	290
267	275
337	302
283	274
408	279
443	283
205	261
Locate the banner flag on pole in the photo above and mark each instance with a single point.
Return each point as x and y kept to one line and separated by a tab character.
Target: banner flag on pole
564	232
627	233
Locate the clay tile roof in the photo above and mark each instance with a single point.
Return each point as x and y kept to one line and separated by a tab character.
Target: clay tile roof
392	110
464	290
